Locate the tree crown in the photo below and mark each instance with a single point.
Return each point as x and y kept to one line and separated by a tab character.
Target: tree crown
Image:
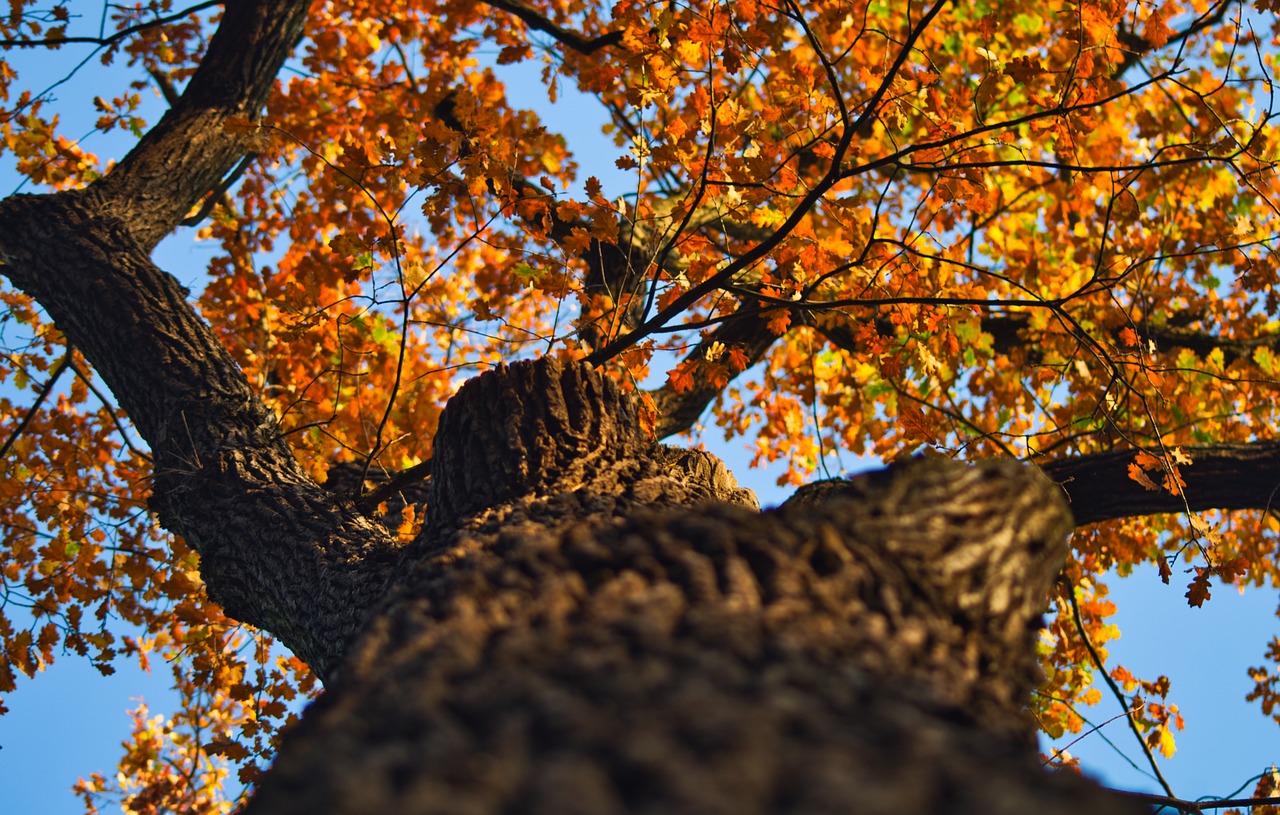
1035	230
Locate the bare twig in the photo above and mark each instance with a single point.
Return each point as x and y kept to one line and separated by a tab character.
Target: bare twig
1197	806
1102	669
570	39
114	38
40	397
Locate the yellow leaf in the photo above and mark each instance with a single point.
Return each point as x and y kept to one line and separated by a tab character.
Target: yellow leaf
767	218
415	274
690	52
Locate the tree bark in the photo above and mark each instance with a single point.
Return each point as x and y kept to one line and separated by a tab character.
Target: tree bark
579	630
277	551
1220	476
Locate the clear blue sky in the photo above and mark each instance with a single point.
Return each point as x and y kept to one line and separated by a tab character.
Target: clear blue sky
69	721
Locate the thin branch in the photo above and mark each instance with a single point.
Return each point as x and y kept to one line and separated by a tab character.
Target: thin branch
1139	47
1097	660
761	250
1094	730
570	39
220	195
40	397
1196	806
402	479
748	331
114	38
84	377
165	84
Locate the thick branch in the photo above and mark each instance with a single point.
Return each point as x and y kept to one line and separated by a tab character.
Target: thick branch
1221	476
1098	487
571	39
1007	335
746	330
276	550
569	651
189	152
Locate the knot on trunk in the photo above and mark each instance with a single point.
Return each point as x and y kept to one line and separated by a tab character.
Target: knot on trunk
523	428
974	546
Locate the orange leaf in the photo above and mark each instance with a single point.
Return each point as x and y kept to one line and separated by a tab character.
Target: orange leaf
1198	589
915	425
1022	69
681	377
779	322
1138	475
1155	31
1147	461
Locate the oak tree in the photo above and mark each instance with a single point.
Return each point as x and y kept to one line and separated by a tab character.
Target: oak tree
1035	231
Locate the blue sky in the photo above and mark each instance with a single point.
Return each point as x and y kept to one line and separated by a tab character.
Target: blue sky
69	721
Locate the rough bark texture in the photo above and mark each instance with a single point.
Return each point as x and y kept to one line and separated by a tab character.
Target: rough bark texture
277	551
187	153
592	635
1220	476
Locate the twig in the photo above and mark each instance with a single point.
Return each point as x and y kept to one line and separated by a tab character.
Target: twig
31	412
399	481
1097	660
114	38
1196	806
111	410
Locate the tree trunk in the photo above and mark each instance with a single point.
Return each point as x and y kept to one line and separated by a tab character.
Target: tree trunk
590	625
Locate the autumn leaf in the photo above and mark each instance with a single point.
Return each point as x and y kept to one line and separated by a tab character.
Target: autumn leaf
1126	679
480	307
1198	588
681	377
1156	30
235	125
915	426
1023	69
767	218
1147	461
779	321
1136	474
1232	569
